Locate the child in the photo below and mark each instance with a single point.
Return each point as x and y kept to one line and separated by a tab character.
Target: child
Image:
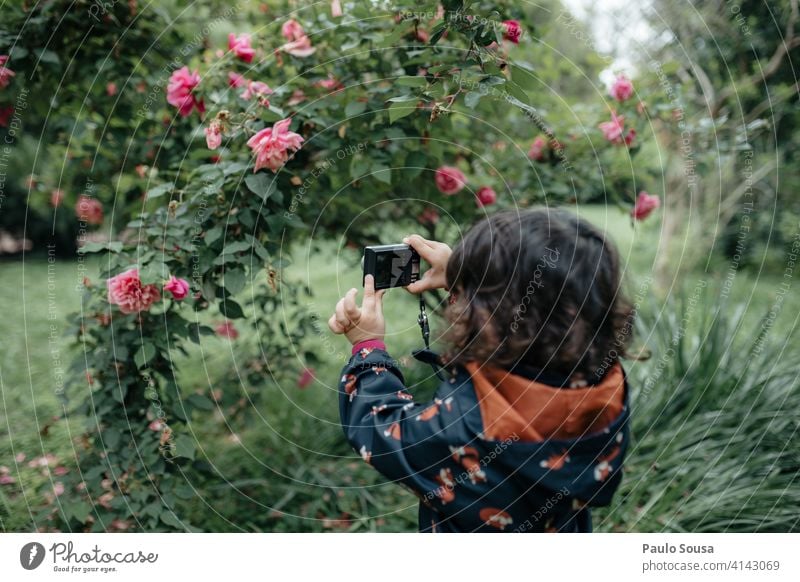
530	427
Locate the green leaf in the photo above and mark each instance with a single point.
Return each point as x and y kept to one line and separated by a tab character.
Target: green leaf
472	98
234	168
213	234
185	492
359	166
231	309
259	184
154	272
517	92
400	110
438	32
416	81
524	76
93	247
382	173
78	510
236	247
355	108
169	518
403	99
121	390
200	402
270	116
47	56
160	190
234	280
415	162
195	331
111	438
144	354
184	446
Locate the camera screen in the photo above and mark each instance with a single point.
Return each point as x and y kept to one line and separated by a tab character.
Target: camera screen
389	267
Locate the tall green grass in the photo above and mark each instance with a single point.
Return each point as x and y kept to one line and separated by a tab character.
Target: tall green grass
716	422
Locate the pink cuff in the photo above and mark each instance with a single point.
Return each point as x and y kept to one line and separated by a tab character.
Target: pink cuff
369	344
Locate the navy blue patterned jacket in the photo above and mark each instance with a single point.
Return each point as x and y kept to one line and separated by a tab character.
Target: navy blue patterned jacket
496	450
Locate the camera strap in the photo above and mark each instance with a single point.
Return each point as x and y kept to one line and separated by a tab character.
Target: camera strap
427	355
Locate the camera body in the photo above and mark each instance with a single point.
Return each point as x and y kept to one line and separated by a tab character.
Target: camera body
391	265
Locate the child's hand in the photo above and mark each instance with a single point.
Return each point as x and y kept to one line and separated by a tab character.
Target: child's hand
436	254
364	323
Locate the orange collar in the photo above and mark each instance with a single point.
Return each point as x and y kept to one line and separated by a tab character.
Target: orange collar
513	405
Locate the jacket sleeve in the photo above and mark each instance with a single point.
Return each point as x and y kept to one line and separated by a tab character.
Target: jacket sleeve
398	437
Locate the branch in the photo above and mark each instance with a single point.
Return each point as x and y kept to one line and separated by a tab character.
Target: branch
769	103
729	206
774	63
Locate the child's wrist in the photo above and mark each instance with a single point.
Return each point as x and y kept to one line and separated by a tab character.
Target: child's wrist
374	343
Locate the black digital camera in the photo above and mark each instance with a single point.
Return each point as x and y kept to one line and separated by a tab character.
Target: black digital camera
391	265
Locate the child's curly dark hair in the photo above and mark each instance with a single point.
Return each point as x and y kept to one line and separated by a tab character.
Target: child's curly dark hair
538	287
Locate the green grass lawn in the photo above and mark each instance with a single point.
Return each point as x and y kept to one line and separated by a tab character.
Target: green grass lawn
285	466
35	298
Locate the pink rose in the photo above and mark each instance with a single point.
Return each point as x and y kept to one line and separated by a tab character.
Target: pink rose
56	197
89	210
612	130
178	287
537	149
274	145
486	196
179	92
513	30
236	80
291	30
336	8
645	204
298	96
240	45
5	72
622	89
330	83
213	135
630	136
127	291
58	488
428	216
227	330
5	115
299	48
450	180
111	89
44	461
157	425
299	44
257	89
306	377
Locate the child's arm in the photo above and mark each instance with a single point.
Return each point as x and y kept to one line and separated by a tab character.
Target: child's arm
384	425
379	418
